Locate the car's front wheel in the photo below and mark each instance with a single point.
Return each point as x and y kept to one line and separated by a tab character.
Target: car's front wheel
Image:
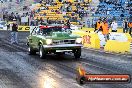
42	53
31	51
77	53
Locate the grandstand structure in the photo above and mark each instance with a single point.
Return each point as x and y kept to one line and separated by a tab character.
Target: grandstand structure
14	5
110	9
116	9
57	11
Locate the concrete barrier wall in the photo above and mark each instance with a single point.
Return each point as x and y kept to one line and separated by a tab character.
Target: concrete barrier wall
117	46
90	40
118	43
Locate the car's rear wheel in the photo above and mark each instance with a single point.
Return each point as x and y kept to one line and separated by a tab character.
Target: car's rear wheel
31	51
77	53
42	53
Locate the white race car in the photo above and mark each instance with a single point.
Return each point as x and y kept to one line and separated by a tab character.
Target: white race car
3	25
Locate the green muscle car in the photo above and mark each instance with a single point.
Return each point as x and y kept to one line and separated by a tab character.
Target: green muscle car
53	39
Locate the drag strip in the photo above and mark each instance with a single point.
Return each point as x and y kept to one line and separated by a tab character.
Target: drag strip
59	68
55	71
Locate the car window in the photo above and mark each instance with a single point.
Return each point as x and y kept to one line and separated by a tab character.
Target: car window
48	31
66	30
57	29
52	29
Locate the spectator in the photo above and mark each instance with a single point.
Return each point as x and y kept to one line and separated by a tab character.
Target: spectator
88	23
130	27
4	17
8	26
114	26
60	0
37	21
47	20
32	22
105	29
52	10
69	8
41	20
97	25
68	24
14	32
19	19
125	26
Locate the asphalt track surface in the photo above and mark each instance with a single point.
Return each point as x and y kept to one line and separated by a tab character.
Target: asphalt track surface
20	70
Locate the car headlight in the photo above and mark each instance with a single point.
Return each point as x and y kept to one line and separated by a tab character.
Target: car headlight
79	40
48	41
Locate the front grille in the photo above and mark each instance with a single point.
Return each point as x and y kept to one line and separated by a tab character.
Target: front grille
68	41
